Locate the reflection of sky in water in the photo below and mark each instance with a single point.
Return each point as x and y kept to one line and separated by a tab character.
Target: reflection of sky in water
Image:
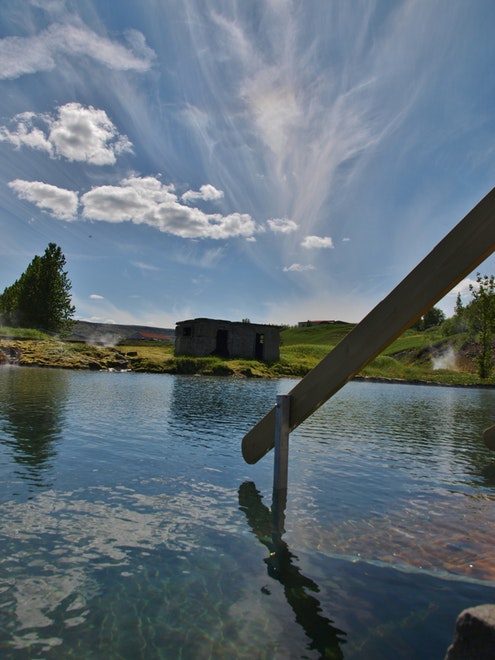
61	542
127	533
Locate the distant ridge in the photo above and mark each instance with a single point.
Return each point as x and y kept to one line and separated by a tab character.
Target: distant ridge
112	333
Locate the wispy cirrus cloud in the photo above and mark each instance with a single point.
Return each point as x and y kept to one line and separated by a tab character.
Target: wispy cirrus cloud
42	51
75	132
144	266
307	123
298	268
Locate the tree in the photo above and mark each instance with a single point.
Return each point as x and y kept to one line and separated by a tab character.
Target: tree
431	318
40	298
481	315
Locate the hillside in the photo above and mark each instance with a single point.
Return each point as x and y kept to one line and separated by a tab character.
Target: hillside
428	356
111	333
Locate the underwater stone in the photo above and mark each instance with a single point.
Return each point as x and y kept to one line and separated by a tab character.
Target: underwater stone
474	635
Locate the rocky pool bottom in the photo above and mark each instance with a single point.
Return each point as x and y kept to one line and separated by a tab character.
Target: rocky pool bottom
130	527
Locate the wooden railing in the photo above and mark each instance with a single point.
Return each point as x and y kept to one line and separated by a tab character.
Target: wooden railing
457	255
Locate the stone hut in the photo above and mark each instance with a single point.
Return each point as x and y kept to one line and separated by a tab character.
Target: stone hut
227	339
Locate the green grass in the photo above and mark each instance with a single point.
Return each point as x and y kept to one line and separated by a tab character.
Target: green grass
22	333
326	334
408	358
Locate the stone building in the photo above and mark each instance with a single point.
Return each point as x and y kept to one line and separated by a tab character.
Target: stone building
227	339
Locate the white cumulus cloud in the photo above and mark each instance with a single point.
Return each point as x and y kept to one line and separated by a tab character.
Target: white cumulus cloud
145	200
282	225
59	202
140	200
26	134
206	193
77	133
311	242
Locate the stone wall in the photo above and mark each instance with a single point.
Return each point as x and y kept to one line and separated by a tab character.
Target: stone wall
203	337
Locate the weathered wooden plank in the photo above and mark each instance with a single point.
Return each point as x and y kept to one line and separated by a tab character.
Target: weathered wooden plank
457	255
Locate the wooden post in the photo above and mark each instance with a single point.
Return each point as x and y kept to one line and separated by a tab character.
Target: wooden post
280	466
281	460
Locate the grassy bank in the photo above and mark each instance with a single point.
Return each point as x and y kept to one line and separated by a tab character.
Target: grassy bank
415	356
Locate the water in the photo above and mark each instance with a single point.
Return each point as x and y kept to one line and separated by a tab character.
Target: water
130	526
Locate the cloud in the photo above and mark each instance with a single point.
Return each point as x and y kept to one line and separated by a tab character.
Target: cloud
193	256
141	200
282	225
147	201
61	203
77	133
49	5
297	268
311	124
96	296
318	242
206	193
144	266
464	286
41	52
25	134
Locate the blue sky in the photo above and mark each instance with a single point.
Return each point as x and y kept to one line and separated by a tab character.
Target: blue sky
274	160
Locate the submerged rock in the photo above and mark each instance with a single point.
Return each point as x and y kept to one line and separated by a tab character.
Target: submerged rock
474	635
9	355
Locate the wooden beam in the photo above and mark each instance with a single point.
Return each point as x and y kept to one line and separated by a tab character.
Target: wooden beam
457	255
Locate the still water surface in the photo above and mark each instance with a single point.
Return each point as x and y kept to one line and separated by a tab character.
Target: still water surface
130	526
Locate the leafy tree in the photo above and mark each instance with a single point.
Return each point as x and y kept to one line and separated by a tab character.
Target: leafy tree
8	305
459	321
431	318
481	315
40	298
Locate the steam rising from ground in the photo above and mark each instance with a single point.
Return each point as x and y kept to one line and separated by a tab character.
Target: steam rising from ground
445	360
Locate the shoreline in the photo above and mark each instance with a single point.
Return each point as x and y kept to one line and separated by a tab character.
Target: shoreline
160	359
417	381
358	378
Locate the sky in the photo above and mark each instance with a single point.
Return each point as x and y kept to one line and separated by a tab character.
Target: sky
271	160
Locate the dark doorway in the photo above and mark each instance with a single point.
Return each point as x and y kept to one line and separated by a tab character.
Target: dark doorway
222	347
259	346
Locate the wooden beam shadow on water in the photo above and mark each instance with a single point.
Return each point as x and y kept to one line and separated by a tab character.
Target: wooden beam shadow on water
267	525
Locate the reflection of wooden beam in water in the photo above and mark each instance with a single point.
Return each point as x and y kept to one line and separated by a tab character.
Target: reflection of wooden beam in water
325	638
489	437
464	248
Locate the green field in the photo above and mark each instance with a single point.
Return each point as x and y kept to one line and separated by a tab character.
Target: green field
415	356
